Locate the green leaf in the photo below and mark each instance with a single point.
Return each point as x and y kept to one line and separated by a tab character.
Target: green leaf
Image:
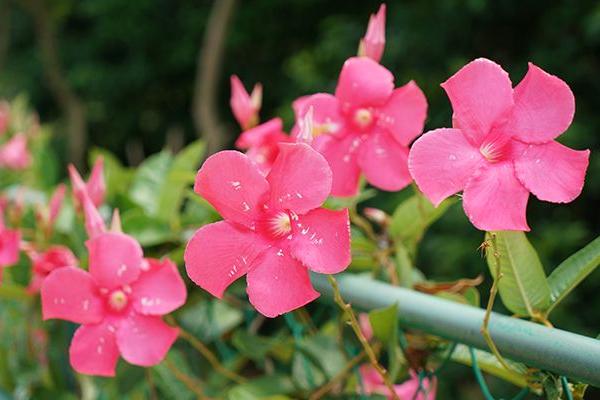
412	218
317	361
147	230
384	322
523	287
258	347
572	271
273	387
181	174
150	181
208	320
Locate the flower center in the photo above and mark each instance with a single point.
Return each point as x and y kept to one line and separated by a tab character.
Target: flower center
363	118
117	300
280	224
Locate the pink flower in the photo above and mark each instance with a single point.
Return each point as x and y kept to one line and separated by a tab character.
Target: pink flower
374	41
274	229
4	117
245	107
262	143
95	186
14	154
501	146
372	383
118	303
46	262
10	241
367	126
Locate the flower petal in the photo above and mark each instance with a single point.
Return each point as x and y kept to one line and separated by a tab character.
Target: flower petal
384	162
220	253
94	350
261	134
551	171
363	83
327	115
481	95
441	162
70	293
321	240
341	154
115	259
495	200
10	241
96	187
279	284
404	113
233	184
145	340
300	178
160	289
544	107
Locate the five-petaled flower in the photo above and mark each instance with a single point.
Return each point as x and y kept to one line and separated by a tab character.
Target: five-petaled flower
119	303
501	146
274	229
372	383
367	126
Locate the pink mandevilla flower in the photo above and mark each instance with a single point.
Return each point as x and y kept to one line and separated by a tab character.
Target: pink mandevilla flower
245	107
501	146
15	154
47	261
95	186
367	126
373	43
262	143
372	383
274	229
119	304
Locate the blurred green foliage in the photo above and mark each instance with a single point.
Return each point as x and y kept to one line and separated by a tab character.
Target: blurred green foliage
133	65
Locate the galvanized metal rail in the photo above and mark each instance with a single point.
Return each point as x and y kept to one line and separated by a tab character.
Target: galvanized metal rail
562	352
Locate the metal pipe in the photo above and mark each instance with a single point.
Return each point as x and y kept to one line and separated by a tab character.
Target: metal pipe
562	352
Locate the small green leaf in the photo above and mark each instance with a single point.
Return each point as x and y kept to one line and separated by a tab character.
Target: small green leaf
273	387
523	288
572	271
384	322
208	320
412	218
147	230
150	181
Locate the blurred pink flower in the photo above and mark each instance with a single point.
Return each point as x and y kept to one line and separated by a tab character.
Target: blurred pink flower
14	154
262	143
372	383
95	186
10	242
373	43
47	261
367	126
245	107
119	304
501	146
365	325
273	230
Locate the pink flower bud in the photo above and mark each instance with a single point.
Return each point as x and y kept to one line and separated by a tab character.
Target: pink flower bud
372	44
245	107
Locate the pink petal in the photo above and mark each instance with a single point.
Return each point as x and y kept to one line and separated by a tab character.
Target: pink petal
77	184
441	162
544	107
70	293
365	325
55	257
363	83
56	202
145	340
260	135
341	154
495	200
300	178
94	350
384	162
321	240
96	187
481	95
327	114
279	284
15	154
233	185
115	259
373	43
94	224
551	171
159	289
220	253
371	380
10	241
244	111
404	113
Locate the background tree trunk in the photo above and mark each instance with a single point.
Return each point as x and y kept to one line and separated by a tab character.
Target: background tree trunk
204	107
